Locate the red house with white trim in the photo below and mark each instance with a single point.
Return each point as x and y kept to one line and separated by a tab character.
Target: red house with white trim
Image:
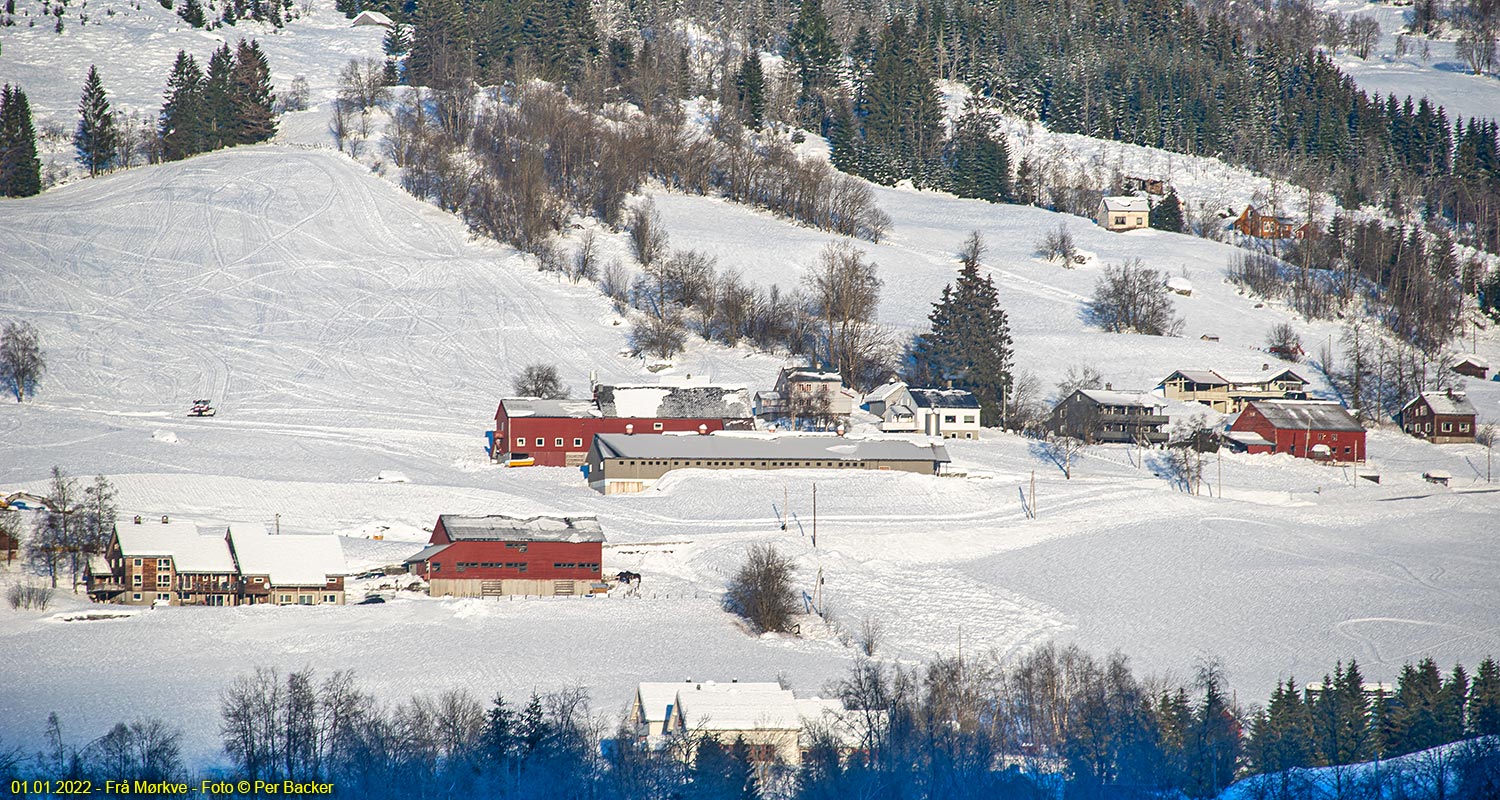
496	555
1317	429
558	433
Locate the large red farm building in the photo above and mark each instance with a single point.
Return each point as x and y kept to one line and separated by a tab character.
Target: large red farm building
558	433
497	555
1316	429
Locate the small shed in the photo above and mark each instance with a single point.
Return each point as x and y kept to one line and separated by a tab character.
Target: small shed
1472	366
371	18
1123	213
1180	285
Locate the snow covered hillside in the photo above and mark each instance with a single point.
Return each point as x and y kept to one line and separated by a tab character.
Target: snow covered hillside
345	329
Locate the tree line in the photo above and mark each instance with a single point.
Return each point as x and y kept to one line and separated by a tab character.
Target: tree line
78	525
1057	721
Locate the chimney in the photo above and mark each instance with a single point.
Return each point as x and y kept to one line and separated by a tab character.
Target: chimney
702	429
1109	387
137	519
1264	366
163	519
840	429
629	428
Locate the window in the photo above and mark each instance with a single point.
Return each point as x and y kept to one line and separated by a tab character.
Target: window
969	418
950	418
1463	427
437	567
1119	220
333	580
558	442
286	598
1140	220
259	580
520	441
577	442
167	596
187	582
163	579
137	562
136	579
540	442
304	599
163	563
136	596
330	598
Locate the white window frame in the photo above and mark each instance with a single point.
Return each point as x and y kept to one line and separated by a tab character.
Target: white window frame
557	442
577	442
541	442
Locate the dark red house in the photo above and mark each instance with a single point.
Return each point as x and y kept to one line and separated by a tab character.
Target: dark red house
497	555
1316	429
558	433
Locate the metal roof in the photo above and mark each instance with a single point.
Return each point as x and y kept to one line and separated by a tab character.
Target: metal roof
1318	415
944	398
540	528
657	698
763	446
426	553
697	401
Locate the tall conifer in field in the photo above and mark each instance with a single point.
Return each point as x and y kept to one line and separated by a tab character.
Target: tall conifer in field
251	93
218	100
969	343
95	138
183	128
20	169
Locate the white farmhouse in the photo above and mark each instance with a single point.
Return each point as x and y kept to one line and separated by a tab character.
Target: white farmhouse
1123	213
949	413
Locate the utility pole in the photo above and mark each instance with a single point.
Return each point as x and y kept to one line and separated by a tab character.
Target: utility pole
1220	451
1033	494
278	524
815	516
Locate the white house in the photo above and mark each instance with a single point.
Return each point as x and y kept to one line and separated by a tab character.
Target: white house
656	702
949	413
772	721
1123	213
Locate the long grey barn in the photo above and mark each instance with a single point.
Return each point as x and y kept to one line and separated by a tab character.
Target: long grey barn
621	463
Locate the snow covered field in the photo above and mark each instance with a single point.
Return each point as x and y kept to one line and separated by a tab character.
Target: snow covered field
345	329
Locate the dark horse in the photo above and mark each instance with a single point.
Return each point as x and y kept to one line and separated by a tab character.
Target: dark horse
628	577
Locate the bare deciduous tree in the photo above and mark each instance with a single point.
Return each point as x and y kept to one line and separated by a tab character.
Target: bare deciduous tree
1284	341
762	591
1132	298
540	380
21	359
844	292
1057	245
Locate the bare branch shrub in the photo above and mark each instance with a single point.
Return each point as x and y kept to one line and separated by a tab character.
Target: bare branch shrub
762	592
1132	298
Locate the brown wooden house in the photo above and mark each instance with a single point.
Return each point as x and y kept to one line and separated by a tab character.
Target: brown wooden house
150	562
1110	416
1440	417
1472	366
1252	222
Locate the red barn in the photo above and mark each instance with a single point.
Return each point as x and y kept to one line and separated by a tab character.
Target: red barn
558	433
497	555
1315	429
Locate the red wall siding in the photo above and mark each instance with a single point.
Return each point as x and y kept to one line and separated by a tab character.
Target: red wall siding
540	559
1298	441
550	429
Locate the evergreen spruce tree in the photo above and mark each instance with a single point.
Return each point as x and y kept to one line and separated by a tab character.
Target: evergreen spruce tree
812	49
969	343
978	163
251	93
1452	703
396	44
1281	736
95	139
843	145
349	8
440	53
183	128
191	12
1214	742
20	169
1167	215
218	100
901	111
1484	700
750	84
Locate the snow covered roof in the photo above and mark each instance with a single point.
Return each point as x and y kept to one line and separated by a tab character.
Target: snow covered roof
539	407
1123	397
675	402
286	560
1124	203
1177	283
1250	438
540	528
1320	415
1445	403
1260	378
180	541
372	18
785	446
883	392
1204	376
944	398
813	376
736	709
1478	361
658	698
